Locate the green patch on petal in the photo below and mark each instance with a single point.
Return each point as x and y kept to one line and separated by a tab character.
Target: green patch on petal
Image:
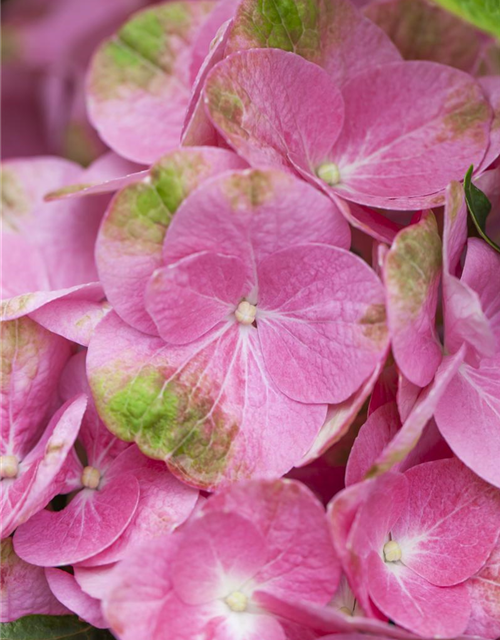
66	191
16	305
249	190
81	144
144	51
484	14
281	24
169	419
15	199
23	343
374	324
414	263
479	208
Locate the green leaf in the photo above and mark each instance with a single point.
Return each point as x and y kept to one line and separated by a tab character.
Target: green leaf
51	628
479	207
484	14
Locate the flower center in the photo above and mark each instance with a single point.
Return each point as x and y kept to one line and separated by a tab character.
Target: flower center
9	466
392	551
91	477
245	312
346	611
329	173
237	601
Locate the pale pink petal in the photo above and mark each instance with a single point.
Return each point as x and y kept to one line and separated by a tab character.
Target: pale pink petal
91	522
64	586
42	472
194	295
424	408
138	82
468	416
412	273
335	36
208	408
95	581
252	214
24	588
414	603
300	562
164	504
321	322
484	592
248	626
130	241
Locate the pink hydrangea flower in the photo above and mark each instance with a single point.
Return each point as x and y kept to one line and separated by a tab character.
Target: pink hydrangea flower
415	538
257	537
241	251
122	498
36	436
24	588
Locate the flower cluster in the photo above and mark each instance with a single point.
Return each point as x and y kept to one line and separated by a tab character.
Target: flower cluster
251	352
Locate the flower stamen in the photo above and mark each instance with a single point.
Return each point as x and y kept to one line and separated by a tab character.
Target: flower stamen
392	551
9	466
246	312
91	477
237	601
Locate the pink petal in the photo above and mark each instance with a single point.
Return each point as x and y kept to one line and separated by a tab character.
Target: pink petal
338	38
424	408
491	87
340	417
300	562
267	122
43	472
138	83
454	228
130	241
484	592
416	604
217	555
91	522
412	273
164	504
207	408
321	322
64	586
97	582
252	214
447	113
194	295
24	588
450	523
36	358
248	626
468	416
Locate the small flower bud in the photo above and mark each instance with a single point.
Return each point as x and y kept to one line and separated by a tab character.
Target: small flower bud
245	313
9	466
237	601
329	173
392	551
91	477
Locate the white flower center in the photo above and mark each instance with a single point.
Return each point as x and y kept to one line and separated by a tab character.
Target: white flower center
392	551
245	312
329	173
91	477
237	601
9	466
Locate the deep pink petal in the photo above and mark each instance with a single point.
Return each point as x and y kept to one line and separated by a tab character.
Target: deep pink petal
416	604
194	295
64	586
320	321
91	522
